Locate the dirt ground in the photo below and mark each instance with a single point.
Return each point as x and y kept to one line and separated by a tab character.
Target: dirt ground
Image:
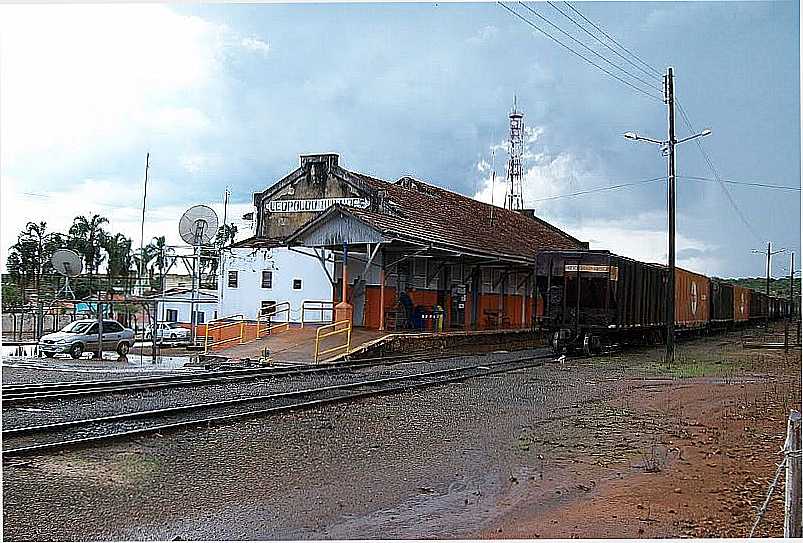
615	446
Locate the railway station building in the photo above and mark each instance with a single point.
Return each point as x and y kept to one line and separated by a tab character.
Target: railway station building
416	256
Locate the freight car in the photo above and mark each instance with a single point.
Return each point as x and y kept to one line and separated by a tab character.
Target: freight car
759	306
722	304
595	298
591	299
741	304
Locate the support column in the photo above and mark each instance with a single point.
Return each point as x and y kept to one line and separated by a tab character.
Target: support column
343	310
382	293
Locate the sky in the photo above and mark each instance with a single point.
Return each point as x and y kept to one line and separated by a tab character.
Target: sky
230	96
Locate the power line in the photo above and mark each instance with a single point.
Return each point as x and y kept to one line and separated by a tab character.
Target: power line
614	51
742	183
600	189
556	27
550	36
614	40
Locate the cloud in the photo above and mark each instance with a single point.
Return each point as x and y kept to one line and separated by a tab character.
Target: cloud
550	175
112	199
78	80
485	34
255	44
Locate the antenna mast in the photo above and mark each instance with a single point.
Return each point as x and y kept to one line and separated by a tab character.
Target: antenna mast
514	200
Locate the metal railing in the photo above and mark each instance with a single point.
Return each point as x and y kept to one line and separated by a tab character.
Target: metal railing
319	306
266	315
230	322
321	334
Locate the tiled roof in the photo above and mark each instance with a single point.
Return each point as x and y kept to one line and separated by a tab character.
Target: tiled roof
416	210
256	243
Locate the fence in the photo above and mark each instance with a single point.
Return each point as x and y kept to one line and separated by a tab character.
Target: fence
270	312
317	306
230	329
793	520
331	330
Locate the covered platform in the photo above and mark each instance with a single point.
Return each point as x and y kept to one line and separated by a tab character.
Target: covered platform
426	259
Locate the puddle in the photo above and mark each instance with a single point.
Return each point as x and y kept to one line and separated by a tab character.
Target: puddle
110	363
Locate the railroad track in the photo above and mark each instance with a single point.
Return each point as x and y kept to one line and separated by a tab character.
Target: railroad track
30	392
37	439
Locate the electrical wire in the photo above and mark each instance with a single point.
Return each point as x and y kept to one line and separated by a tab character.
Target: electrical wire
741	183
713	169
600	189
550	36
614	40
593	36
556	27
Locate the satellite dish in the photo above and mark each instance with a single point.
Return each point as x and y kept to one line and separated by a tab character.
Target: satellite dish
198	225
67	262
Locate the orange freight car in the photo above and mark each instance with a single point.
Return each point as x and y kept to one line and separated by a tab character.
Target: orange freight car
692	292
741	304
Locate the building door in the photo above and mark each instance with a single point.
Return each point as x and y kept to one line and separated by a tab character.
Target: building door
358	301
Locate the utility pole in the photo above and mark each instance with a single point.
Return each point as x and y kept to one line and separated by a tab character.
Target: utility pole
791	297
669	85
668	147
769	253
142	228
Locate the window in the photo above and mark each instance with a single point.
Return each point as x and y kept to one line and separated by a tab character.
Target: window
267	279
93	329
296	284
420	267
171	315
233	279
111	327
199	317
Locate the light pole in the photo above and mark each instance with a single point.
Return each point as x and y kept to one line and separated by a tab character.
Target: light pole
769	254
668	146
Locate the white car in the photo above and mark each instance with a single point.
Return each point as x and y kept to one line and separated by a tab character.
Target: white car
171	332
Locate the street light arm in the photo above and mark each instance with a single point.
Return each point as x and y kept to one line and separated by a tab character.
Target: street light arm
635	137
702	134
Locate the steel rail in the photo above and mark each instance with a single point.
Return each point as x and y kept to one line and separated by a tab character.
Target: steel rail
437	377
46	391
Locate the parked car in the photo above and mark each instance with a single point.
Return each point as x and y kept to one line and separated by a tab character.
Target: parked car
168	331
82	335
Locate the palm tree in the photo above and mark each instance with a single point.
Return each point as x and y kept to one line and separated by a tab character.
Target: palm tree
118	250
85	236
29	258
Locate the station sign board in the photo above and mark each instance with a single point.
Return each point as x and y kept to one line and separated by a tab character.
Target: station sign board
591	268
314	205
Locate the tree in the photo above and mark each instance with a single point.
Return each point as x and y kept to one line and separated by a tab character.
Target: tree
119	258
12	296
210	259
85	238
225	234
29	258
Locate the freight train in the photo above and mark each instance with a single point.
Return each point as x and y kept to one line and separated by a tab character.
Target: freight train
594	299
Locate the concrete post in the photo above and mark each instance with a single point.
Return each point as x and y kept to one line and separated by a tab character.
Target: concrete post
793	525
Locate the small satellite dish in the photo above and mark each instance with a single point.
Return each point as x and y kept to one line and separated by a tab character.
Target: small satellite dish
198	225
67	262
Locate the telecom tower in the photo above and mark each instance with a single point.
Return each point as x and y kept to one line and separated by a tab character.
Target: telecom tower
513	198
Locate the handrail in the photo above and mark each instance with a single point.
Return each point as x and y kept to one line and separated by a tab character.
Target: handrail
319	336
317	305
210	328
275	309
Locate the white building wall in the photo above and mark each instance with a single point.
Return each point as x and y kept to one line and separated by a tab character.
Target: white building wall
286	266
209	309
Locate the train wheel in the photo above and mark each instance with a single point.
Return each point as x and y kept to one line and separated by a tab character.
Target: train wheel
557	348
591	345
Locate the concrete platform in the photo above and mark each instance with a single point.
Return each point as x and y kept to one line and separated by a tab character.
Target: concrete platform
297	345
